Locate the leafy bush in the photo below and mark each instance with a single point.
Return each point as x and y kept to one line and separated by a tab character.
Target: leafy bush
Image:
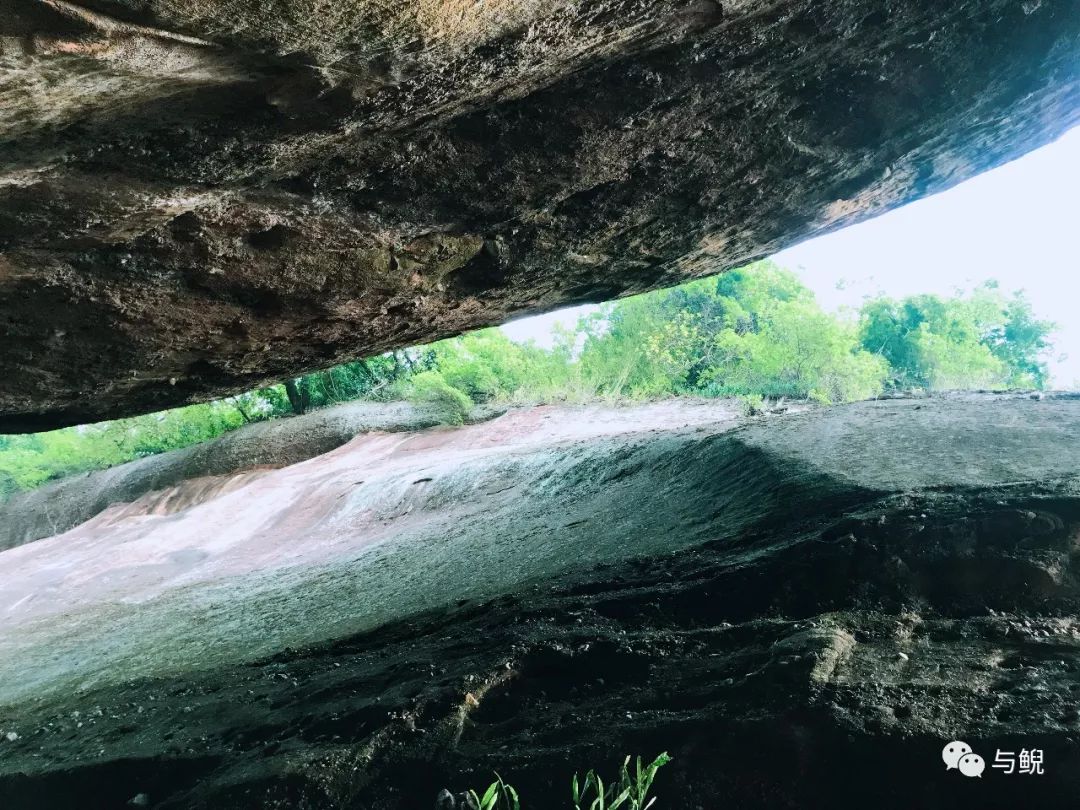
486	365
430	389
752	404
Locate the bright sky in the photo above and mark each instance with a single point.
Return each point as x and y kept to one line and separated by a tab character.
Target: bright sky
1019	224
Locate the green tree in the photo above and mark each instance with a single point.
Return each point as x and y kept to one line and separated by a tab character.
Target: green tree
797	351
976	340
757	330
1022	342
486	365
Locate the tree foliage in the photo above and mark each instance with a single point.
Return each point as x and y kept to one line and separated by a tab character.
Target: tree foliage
30	460
980	339
430	388
751	331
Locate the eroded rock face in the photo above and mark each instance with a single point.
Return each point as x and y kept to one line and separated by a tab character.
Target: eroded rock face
196	198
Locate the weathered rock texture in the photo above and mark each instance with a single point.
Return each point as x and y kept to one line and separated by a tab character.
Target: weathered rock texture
196	197
802	608
57	507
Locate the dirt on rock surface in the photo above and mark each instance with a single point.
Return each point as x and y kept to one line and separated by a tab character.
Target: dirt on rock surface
803	608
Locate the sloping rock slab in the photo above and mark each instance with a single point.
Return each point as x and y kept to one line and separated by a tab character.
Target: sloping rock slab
802	609
55	508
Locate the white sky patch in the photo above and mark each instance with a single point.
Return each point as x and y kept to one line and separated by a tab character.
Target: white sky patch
541	328
1018	224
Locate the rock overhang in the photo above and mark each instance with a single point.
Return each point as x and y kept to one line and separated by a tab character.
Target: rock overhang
196	200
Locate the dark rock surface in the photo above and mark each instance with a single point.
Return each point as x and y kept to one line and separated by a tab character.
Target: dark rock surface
198	197
803	609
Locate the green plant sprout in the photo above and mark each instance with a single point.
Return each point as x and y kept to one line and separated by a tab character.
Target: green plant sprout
631	792
632	789
498	796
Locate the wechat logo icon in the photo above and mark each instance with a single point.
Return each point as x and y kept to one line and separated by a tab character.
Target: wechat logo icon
958	755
